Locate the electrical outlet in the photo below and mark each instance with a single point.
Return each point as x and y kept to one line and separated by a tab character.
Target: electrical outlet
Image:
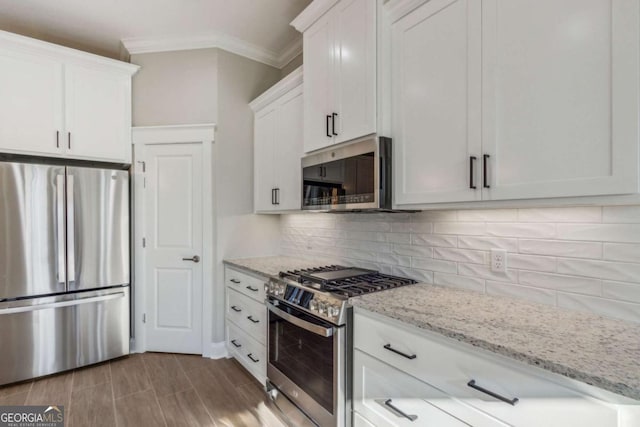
499	260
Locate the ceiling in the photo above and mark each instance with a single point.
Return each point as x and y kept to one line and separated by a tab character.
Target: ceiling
98	26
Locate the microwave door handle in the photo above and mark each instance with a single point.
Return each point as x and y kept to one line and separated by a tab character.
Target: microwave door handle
316	329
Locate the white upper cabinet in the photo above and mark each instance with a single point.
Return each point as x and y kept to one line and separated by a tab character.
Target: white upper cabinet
59	102
340	71
278	146
513	99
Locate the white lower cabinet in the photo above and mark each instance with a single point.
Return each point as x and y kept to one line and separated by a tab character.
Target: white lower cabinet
445	382
246	319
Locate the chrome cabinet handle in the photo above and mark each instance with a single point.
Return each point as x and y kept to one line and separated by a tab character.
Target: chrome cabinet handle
194	258
388	347
236	309
474	386
250	356
252	319
399	411
252	289
236	281
235	344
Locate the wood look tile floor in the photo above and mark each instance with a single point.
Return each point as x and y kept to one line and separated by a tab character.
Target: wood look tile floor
152	389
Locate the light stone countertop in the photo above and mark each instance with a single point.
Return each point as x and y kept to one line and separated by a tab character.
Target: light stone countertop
596	350
589	348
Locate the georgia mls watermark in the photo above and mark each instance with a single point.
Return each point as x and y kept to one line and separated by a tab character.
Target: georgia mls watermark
31	416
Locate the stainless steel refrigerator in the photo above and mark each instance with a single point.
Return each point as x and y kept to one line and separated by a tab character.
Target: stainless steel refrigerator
64	267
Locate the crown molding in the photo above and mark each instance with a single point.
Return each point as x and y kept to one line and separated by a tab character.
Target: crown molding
291	81
312	13
231	44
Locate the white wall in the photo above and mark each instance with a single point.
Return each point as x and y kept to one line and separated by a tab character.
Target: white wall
292	65
584	258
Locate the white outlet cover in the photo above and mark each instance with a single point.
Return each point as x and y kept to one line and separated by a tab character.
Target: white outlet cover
499	260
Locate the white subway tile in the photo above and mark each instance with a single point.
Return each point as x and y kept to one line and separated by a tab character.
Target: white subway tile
605	307
561	248
531	262
468	228
421	276
484	272
619	271
621	291
462	255
625	233
622	252
487	243
542	296
364	245
363	226
356	254
399	260
461	282
559	282
621	214
400	227
435	216
571	214
531	230
439	240
372	236
401	238
434	265
488	215
419	251
421	227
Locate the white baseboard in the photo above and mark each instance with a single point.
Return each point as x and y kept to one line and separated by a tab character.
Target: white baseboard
217	350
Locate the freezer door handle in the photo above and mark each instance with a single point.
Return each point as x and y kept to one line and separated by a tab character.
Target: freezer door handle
62	272
69	303
71	235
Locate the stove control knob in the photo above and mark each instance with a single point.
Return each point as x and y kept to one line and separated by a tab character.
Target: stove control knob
333	311
322	307
313	305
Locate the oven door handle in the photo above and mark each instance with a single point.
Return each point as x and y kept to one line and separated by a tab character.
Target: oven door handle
316	329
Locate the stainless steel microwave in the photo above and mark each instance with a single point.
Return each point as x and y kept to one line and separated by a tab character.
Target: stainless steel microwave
353	177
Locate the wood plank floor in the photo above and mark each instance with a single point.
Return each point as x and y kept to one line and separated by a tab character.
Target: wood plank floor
152	389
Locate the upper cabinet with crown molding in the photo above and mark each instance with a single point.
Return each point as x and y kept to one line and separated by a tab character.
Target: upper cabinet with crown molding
506	100
339	39
60	102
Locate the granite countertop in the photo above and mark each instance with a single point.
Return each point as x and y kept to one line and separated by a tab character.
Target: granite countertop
586	347
272	265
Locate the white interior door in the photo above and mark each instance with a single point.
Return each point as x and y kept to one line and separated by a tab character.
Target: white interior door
174	229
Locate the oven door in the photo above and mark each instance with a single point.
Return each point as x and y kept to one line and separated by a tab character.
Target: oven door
306	362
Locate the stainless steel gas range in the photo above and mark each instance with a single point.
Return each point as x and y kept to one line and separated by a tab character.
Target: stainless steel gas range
310	338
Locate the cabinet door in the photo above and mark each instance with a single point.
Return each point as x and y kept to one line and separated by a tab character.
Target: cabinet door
30	104
264	156
97	114
436	102
560	97
318	83
355	69
288	151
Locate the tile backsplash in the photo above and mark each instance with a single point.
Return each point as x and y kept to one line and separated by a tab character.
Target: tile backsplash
583	258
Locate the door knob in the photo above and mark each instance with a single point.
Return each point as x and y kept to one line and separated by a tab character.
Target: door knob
195	258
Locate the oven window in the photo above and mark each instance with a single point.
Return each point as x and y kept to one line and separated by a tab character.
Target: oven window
304	357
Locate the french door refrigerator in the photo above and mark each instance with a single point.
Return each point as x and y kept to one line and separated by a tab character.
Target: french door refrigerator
64	267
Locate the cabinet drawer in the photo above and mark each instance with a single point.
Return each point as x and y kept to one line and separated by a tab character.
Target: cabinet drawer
249	352
379	388
248	314
451	368
245	283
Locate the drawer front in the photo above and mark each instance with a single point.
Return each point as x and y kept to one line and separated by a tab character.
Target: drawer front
382	394
450	369
245	283
249	352
248	314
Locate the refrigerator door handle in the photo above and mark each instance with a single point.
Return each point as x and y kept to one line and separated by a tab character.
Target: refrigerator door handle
60	218
69	303
71	234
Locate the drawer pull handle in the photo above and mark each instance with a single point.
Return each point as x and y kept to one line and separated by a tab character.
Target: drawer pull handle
252	319
235	344
236	309
252	289
399	411
236	281
473	385
250	356
388	347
